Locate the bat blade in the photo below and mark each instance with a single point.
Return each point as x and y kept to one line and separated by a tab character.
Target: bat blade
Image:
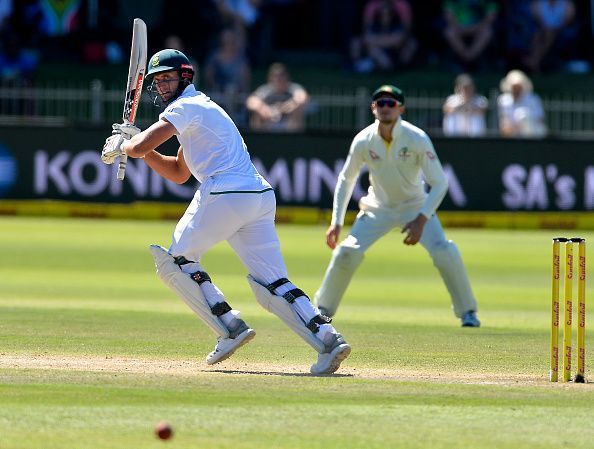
136	72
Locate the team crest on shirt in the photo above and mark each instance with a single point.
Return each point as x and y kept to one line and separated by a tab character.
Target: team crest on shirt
404	153
373	155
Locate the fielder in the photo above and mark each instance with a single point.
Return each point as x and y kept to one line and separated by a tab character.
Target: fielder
234	203
396	154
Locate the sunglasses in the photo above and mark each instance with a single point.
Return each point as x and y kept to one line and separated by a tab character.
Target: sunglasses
386	102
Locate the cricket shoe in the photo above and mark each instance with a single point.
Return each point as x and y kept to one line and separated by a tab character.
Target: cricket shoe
239	335
469	319
337	349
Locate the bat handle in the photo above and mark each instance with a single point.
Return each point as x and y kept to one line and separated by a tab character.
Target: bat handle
122	167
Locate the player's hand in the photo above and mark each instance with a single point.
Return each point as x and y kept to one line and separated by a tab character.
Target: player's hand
414	230
332	235
125	129
112	148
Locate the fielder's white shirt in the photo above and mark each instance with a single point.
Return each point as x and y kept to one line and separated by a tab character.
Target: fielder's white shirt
394	171
213	148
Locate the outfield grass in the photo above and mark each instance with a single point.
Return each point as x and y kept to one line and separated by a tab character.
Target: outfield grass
95	350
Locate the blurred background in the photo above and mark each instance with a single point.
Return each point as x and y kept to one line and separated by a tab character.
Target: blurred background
489	77
68	53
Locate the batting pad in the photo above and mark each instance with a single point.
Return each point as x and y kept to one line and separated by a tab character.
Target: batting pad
186	288
281	308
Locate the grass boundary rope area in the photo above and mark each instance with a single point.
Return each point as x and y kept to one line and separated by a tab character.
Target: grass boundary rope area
296	215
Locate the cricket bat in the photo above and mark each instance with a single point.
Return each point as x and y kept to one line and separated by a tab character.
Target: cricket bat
136	72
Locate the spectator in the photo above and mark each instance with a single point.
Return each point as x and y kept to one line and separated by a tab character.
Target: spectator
19	56
336	31
242	15
6	10
520	110
98	35
464	111
227	75
60	18
176	43
387	39
553	19
469	28
60	24
17	64
197	23
519	28
278	105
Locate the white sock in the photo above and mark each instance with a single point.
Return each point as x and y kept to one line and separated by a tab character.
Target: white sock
324	330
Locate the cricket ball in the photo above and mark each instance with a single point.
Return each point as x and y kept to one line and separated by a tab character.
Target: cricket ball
163	430
579	379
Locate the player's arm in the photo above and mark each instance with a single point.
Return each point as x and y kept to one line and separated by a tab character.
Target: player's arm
173	168
296	102
436	178
255	104
149	139
344	189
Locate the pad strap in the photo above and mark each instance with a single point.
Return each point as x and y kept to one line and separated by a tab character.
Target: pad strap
289	296
315	323
200	277
220	308
181	260
276	284
292	295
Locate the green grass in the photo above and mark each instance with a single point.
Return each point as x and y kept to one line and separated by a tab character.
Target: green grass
94	350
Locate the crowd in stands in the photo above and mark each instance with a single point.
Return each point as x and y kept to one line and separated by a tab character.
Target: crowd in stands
519	109
227	38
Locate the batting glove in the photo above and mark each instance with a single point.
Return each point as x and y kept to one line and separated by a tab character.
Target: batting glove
112	149
125	129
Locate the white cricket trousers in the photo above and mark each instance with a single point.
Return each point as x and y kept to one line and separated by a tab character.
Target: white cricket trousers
371	226
244	219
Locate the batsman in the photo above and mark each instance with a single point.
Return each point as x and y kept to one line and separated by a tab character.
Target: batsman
234	203
396	154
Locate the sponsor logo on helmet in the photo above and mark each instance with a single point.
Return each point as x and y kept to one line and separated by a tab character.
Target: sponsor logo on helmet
187	66
155	61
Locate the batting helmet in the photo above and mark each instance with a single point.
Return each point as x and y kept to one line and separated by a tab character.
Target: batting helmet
167	60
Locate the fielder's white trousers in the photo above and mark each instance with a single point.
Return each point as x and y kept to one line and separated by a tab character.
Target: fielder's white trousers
245	220
372	225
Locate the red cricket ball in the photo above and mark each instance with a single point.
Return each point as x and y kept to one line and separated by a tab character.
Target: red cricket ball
163	430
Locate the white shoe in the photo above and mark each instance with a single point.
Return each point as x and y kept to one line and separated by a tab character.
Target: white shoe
239	336
329	361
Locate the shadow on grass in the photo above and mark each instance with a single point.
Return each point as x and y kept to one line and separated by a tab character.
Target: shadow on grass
274	373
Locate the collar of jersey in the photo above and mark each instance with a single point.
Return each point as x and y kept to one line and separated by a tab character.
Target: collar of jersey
396	131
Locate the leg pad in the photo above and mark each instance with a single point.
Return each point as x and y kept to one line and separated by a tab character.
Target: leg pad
188	290
281	308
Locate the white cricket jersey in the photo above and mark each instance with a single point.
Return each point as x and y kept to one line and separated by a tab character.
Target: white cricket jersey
395	171
213	148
